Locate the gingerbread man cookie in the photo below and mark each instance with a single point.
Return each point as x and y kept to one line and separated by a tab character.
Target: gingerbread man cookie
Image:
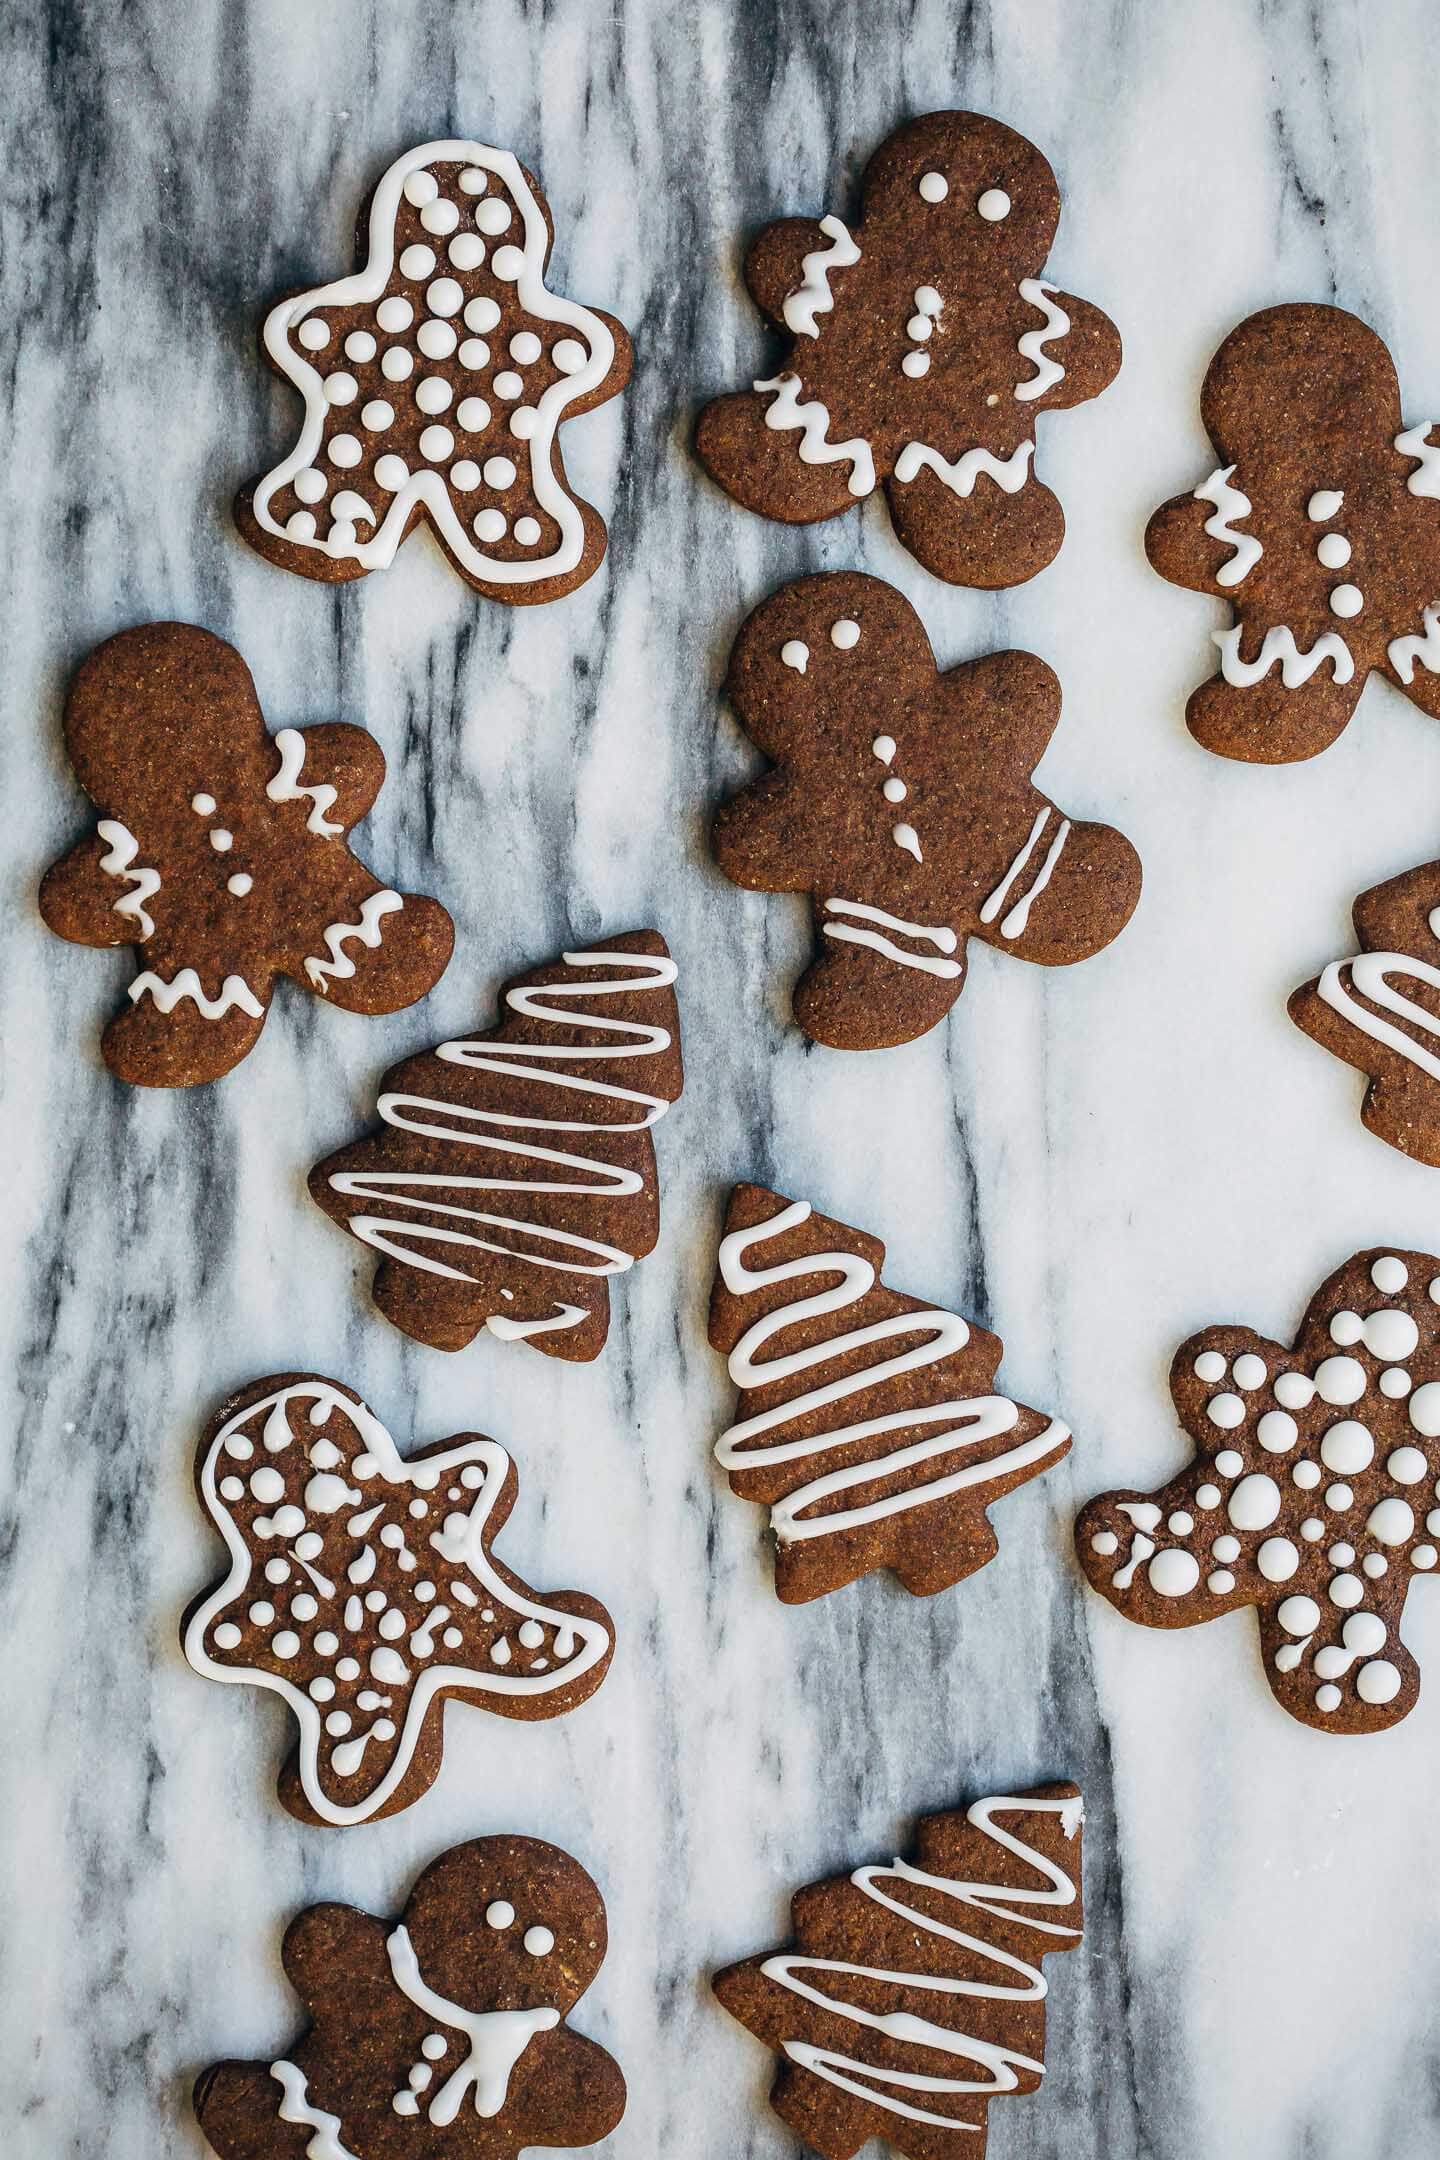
442	2036
1320	525
1312	1496
915	1992
924	346
1379	1010
902	802
435	382
363	1591
515	1172
870	1424
222	855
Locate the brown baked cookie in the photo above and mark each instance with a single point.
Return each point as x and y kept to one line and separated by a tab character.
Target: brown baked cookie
915	1993
1319	525
435	381
442	2036
924	347
1379	1010
902	802
515	1172
869	1424
222	855
362	1589
1312	1496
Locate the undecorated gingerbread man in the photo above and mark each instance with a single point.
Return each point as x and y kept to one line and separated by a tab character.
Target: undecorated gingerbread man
925	345
902	802
222	855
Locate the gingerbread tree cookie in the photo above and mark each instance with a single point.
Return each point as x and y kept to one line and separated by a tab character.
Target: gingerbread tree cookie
363	1591
870	1425
902	802
515	1172
435	381
1320	525
442	2036
222	855
1379	1010
925	344
915	1993
1312	1495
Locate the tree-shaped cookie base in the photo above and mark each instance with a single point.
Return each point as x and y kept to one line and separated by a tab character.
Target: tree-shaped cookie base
869	1424
1320	525
914	1994
1312	1496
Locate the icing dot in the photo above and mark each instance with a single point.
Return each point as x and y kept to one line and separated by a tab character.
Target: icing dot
1210	1367
1323	504
444	296
508	385
1391	1334
1306	1475
1340	1380
300	525
474	353
466	252
433	2046
1181	1524
490	525
440	217
527	531
507	263
844	634
993	205
1299	1616
1255	1502
568	355
531	1634
1424	1410
1333	552
314	335
1341	1556
523	421
432	394
1294	1390
286	1643
1226	1411
1221	1582
204	806
465	475
226	1636
1226	1548
1249	1370
1229	1462
421	187
1395	1382
1389	1274
392	473
932	187
500	1914
1348	1448
309	485
436	444
1346	1328
482	313
395	314
376	414
345	451
360	346
499	472
240	884
261	1613
1277	1559
928	300
436	340
795	654
1407	1465
341	388
1207	1496
277	1571
1423	1556
915	364
397	364
1346	600
1104	1542
1327	1698
241	1448
1345	1591
539	1941
338	1723
525	347
1378	1682
492	217
1173	1572
267	1484
1338	1497
348	1669
919	326
473	181
1277	1432
327	1642
417	261
1375	1565
1312	1529
232	1488
472	414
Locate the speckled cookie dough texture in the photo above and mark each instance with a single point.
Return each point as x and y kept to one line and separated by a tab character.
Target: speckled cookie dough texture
440	2036
924	345
1320	525
435	380
913	1993
221	854
901	801
362	1590
1313	1494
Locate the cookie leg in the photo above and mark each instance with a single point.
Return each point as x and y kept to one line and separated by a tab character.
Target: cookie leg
572	1323
988	539
856	998
1267	724
761	467
237	2105
180	1048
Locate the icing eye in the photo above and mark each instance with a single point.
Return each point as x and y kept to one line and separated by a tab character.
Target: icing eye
993	205
933	187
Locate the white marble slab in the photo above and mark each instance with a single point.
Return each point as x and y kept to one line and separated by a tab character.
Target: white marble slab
1094	1162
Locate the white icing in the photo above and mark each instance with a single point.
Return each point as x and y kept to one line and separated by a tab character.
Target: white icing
1296	667
882	2086
1230	505
1370	975
932	187
525	267
1346	600
1412	443
1014	923
1323	504
483	1467
1174	1572
1255	1502
968	1423
497	2038
339	967
563	1170
296	2106
1009	473
235	994
1403	652
1048	371
906	837
285	785
794	653
942	938
119	861
787	409
815	298
994	205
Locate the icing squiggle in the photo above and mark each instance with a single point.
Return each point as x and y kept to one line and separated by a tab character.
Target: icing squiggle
1412	443
1009	473
340	967
560	1171
1296	667
1370	974
119	861
235	994
1048	371
1021	1981
285	786
927	963
815	297
296	2106
973	1420
1231	503
1015	922
787	409
497	2038
1403	652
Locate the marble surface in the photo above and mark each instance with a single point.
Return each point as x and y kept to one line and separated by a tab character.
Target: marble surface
1095	1162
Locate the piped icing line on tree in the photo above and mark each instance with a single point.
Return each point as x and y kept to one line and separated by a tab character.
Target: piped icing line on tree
1278	644
296	2106
856	933
1036	293
1414	442
525	267
314	1486
338	966
802	309
1231	505
1009	473
788	410
286	786
1370	974
235	994
496	2039
562	1171
119	861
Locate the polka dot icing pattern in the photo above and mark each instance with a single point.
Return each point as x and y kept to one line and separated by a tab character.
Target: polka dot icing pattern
430	275
1235	1529
384	1565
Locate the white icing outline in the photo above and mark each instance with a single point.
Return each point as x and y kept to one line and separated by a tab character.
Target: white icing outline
119	861
340	966
1296	667
814	296
1035	292
787	409
1230	503
594	1639
852	934
1009	473
430	487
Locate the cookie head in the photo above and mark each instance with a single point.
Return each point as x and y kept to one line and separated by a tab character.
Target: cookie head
970	190
518	1952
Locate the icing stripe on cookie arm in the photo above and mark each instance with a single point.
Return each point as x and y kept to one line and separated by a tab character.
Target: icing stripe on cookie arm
1403	652
1296	667
119	861
1414	442
787	410
339	966
1048	371
1230	505
1018	1980
968	1422
296	2106
814	297
1370	975
285	785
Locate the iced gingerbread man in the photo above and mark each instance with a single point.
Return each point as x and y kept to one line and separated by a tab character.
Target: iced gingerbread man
925	345
222	855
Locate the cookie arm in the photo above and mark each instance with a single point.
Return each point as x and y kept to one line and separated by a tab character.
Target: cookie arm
759	838
1089	352
335	756
385	952
326	1940
77	898
1072	894
775	264
1181	550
